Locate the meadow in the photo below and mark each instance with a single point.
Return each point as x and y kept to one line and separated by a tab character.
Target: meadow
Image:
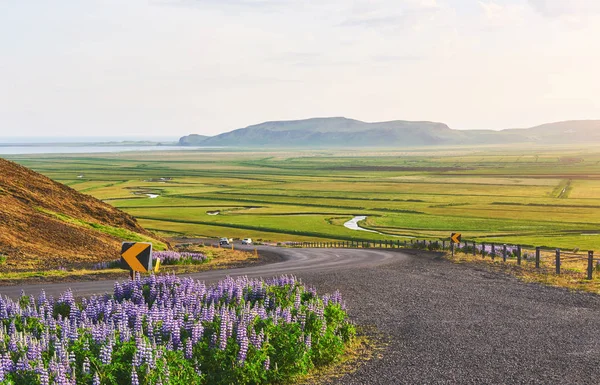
545	196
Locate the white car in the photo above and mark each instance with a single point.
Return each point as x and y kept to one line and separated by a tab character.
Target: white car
246	241
224	242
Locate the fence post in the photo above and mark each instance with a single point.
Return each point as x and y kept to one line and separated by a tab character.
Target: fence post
503	253
518	255
474	248
590	264
493	251
537	257
483	250
557	261
443	244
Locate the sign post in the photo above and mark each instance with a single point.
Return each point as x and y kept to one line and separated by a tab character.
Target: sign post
455	238
137	256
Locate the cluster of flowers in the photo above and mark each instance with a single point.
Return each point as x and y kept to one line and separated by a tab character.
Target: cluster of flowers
176	258
164	329
107	265
496	250
166	258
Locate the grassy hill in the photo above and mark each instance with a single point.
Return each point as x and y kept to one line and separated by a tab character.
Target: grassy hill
44	224
344	132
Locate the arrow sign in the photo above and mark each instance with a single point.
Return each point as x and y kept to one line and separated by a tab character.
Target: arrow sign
137	256
455	237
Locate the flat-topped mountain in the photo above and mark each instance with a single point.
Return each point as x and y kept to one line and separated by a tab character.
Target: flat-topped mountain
344	132
192	140
44	224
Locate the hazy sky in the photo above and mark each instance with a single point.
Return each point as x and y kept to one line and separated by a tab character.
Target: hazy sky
174	67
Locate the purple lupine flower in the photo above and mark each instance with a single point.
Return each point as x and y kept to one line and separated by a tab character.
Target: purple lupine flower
223	331
134	377
242	340
188	349
86	365
106	353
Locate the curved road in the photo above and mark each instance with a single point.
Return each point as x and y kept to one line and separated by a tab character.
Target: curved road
290	261
443	323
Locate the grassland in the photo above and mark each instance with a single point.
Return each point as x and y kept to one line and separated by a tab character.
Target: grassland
534	196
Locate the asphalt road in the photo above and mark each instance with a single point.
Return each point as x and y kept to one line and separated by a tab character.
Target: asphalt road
444	323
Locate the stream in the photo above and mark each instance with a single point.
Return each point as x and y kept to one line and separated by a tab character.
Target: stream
352	224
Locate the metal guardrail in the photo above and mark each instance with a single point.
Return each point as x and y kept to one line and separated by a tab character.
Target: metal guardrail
493	250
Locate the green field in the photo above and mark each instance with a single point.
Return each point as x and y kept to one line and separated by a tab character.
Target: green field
535	196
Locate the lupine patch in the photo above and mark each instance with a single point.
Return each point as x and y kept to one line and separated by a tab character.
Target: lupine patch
170	330
179	258
166	258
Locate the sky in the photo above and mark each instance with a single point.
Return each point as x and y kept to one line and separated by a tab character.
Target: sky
175	67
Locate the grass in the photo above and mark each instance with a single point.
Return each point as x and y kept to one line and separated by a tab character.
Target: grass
534	196
358	351
124	234
573	270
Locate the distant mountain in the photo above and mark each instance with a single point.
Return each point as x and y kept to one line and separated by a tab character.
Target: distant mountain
192	140
344	132
571	131
44	224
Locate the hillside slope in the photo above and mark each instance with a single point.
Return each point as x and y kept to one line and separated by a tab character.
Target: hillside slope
44	224
344	132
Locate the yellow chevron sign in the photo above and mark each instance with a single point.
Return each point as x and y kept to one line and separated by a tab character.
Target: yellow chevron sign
455	237
137	256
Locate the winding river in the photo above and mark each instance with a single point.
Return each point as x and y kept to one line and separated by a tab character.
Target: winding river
352	224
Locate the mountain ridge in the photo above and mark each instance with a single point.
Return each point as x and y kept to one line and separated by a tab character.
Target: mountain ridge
341	131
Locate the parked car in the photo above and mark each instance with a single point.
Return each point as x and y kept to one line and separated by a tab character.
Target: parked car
247	241
224	242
